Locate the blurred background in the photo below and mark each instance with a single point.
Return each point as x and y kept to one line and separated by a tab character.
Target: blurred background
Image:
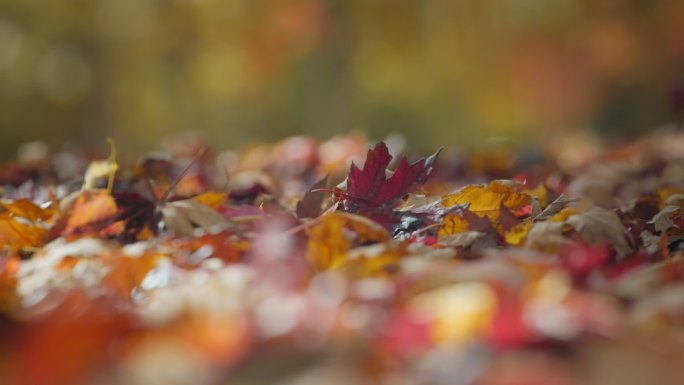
441	72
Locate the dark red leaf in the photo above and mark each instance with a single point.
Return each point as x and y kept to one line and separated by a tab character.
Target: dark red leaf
370	188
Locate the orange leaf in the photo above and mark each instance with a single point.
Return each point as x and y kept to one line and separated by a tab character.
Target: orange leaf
8	281
20	225
26	209
90	208
127	273
15	235
212	199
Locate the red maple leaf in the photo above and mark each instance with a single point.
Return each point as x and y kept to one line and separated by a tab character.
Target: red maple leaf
371	189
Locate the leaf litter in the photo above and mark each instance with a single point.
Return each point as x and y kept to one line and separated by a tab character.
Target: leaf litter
177	271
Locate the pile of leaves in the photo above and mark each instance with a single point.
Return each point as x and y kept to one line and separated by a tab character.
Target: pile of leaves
328	262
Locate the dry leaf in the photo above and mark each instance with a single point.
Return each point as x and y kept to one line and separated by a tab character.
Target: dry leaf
597	225
462	239
331	240
546	236
517	234
90	208
453	224
663	220
22	225
182	216
555	207
211	199
486	200
125	273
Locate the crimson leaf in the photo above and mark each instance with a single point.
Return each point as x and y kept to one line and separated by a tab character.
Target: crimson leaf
370	189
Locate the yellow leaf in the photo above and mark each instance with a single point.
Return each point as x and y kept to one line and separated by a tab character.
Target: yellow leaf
516	235
212	199
486	200
332	241
541	193
664	193
564	214
460	312
327	244
372	260
453	224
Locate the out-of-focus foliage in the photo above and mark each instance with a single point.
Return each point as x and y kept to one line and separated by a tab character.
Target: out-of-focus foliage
206	268
245	70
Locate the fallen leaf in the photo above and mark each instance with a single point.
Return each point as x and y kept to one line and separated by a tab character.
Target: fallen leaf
597	225
22	225
90	208
211	199
546	236
370	188
310	205
555	207
331	240
8	281
517	234
453	224
462	239
486	200
183	216
663	220
126	273
25	208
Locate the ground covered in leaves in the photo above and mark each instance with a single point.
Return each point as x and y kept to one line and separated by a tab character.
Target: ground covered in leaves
289	264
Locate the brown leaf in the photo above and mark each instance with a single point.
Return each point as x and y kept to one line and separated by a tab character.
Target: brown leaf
183	216
310	205
597	225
